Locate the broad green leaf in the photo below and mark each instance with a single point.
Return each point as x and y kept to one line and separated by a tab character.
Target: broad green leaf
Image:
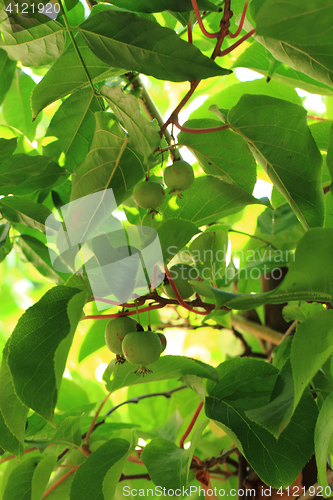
88	479
323	437
113	475
72	128
41	477
278	133
6	243
23	174
310	277
71	395
223	153
302	23
301	312
24	211
19	485
167	367
68	432
94	339
229	96
30	39
141	134
321	133
16	107
39	347
13	413
258	58
7	148
329	157
7	71
173	235
246	384
167	464
209	251
313	342
148	6
67	76
208	200
38	254
276	415
313	61
110	163
128	41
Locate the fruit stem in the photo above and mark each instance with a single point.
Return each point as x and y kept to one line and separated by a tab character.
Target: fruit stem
190	427
119	315
198	16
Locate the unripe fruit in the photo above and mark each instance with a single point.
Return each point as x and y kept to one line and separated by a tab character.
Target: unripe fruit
163	341
142	348
115	332
180	273
148	194
179	176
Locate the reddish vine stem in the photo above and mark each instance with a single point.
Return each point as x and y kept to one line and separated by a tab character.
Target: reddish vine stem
197	130
119	315
190	427
179	298
198	16
11	457
61	480
92	425
318	118
235	35
190	30
236	44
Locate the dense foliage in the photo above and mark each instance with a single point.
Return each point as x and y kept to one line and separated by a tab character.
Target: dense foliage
99	100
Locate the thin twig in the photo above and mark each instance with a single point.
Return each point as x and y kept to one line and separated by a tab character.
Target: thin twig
92	425
61	480
315	488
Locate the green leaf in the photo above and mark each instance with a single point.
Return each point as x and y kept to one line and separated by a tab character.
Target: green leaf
321	133
128	41
223	153
7	71
246	384
167	464
113	475
23	174
148	6
27	212
93	340
39	347
258	58
16	107
59	82
7	148
206	251
88	479
6	243
141	134
313	342
310	277
300	24
276	415
173	235
230	95
30	39
323	437
72	129
208	200
71	395
301	312
68	433
277	131
19	485
38	254
329	157
41	477
13	413
167	367
110	163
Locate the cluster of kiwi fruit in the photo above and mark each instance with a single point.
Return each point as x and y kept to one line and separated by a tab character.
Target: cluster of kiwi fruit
127	339
150	194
